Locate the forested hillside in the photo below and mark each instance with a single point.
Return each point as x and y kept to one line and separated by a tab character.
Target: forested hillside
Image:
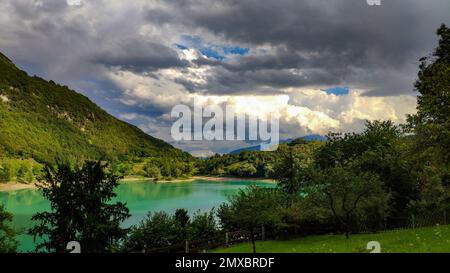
45	121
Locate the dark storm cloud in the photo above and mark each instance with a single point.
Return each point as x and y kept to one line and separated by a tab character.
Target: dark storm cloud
139	56
269	72
308	43
261	81
359	44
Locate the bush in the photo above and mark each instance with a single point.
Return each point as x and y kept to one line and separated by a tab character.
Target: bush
252	208
157	230
163	230
6	172
25	173
203	225
152	172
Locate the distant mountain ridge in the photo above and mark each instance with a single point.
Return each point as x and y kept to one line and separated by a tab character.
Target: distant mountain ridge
313	137
46	121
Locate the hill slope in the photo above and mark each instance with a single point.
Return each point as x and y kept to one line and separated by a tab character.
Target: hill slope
43	120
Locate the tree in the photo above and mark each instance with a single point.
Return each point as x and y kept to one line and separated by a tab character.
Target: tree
348	195
225	215
251	208
182	216
381	149
152	171
432	122
81	209
157	230
121	168
6	171
431	125
25	173
287	170
203	225
243	169
8	242
292	166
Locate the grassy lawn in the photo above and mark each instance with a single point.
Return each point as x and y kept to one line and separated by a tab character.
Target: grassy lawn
419	240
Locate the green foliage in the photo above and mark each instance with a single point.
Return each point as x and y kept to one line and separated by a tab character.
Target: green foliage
152	171
203	225
20	170
242	169
252	163
292	165
432	122
162	230
122	169
157	230
81	209
8	242
303	216
353	198
25	173
6	171
381	149
430	127
182	216
168	167
251	208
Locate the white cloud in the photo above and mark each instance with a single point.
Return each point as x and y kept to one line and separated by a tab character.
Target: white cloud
74	2
300	111
128	116
161	92
350	109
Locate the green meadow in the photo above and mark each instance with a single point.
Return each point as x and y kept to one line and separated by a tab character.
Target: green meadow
420	240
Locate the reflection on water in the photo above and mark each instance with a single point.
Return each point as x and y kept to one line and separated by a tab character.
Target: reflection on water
140	197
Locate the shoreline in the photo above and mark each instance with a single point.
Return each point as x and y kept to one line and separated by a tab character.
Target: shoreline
195	177
14	186
217	179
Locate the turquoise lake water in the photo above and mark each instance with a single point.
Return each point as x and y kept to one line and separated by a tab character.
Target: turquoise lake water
140	197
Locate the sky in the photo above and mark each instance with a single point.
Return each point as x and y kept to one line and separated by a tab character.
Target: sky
321	65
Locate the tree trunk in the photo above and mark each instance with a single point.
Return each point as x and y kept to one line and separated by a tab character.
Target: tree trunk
253	240
347	225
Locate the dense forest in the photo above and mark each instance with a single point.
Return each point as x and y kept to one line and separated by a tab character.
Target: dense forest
253	164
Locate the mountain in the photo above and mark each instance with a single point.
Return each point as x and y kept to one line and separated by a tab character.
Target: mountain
46	121
314	137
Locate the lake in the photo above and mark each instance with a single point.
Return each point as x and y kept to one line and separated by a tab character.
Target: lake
140	197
